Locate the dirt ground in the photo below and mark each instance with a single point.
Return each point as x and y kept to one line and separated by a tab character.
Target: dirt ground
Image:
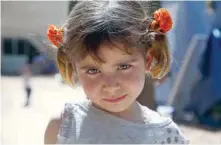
26	125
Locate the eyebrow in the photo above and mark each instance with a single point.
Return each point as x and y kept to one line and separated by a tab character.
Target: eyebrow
87	66
128	61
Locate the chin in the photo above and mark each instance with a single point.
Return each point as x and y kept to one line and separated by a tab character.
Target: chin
116	108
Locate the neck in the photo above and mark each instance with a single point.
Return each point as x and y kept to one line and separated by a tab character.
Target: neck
133	113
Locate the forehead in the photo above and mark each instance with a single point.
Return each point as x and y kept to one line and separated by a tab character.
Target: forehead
113	53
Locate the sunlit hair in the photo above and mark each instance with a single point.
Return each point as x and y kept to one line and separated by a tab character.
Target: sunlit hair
93	23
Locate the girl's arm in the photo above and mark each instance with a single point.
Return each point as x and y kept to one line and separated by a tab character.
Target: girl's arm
51	132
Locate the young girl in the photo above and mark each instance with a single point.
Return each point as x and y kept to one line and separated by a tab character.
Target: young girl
108	47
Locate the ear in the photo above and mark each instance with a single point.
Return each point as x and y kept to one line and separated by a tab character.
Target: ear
150	60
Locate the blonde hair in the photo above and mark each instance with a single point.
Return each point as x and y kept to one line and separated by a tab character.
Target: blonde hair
163	56
92	23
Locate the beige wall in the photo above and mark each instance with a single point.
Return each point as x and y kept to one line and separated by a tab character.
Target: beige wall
20	18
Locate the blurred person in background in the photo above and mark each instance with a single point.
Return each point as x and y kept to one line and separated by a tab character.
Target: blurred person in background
26	76
214	8
190	20
206	99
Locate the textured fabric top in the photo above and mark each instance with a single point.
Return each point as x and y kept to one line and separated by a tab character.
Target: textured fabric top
82	123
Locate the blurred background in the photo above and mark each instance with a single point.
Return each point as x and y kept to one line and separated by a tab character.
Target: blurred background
32	91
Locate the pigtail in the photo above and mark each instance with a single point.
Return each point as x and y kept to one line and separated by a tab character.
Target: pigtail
161	57
65	67
160	64
55	35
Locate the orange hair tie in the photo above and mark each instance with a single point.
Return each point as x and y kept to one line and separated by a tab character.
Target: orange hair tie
163	20
55	35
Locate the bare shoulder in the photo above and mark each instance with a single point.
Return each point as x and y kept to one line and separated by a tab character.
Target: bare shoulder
52	130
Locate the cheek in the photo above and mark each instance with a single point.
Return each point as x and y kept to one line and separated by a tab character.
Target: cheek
134	81
89	85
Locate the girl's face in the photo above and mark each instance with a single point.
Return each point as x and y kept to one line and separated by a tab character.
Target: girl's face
115	84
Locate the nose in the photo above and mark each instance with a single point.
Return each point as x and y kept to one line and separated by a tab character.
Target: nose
111	83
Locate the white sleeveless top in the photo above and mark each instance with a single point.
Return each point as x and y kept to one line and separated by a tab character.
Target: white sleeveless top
82	123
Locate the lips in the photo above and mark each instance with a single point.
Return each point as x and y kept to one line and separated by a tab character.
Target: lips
115	100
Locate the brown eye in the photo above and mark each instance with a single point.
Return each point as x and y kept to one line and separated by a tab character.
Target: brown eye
93	71
124	66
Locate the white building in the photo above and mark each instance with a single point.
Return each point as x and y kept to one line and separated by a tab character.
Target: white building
24	26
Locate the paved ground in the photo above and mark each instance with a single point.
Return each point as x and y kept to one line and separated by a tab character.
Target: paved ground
27	125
